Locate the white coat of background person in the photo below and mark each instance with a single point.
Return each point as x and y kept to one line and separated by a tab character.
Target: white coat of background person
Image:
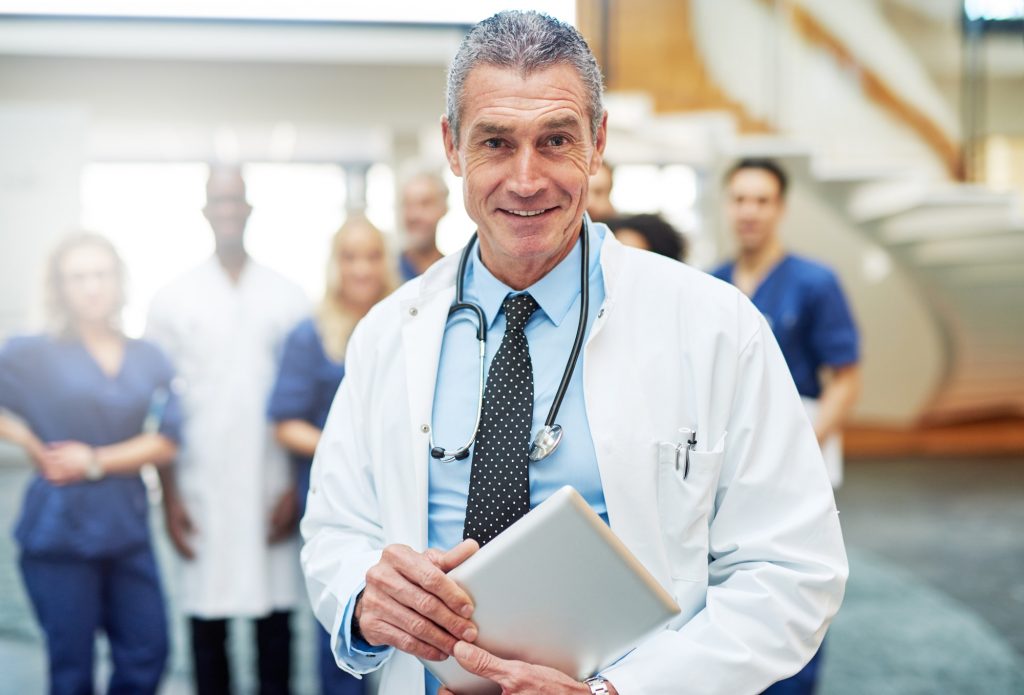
230	501
748	543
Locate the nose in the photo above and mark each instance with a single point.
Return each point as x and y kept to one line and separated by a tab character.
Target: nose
527	176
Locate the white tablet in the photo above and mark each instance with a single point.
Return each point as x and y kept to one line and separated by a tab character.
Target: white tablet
559	589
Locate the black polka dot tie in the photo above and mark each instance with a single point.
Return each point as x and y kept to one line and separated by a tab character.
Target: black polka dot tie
499	483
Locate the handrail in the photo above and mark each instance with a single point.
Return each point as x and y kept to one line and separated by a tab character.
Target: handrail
876	87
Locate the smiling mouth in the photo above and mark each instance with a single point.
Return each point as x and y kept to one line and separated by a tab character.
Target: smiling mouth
526	213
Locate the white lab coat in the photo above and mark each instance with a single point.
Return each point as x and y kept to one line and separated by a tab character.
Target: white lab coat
225	340
671	348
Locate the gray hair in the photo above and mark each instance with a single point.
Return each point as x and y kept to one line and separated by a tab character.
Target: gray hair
527	42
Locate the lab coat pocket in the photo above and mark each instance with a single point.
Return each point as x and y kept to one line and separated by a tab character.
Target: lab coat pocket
686	492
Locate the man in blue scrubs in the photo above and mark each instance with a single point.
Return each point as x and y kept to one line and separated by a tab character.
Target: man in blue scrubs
811	319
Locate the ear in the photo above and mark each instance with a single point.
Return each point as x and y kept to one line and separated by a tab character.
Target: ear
599	145
451	148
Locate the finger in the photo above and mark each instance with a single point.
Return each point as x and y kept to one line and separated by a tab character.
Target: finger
457	555
411	622
181	544
397	586
480	662
395	637
420	571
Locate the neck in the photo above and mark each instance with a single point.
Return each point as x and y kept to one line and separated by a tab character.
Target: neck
761	259
357	309
520	273
423	258
232	260
92	332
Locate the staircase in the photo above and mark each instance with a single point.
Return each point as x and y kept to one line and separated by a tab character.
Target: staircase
935	269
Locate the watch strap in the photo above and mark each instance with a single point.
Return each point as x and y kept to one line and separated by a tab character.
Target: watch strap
598	685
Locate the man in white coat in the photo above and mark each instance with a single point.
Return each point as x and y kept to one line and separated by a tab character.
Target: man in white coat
748	542
229	500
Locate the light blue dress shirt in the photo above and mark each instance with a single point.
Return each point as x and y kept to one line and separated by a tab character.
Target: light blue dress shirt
550	333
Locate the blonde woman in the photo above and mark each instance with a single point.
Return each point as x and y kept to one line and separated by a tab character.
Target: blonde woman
360	274
90	408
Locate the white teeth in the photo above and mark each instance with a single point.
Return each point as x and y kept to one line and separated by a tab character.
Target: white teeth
526	213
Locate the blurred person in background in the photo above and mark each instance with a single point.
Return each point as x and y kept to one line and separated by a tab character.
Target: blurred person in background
809	315
424	203
359	274
599	195
229	501
92	408
650	233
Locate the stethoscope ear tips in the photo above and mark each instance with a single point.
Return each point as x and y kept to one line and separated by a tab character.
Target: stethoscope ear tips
437	452
462	455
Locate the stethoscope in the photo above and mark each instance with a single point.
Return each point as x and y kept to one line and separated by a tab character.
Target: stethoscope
550	435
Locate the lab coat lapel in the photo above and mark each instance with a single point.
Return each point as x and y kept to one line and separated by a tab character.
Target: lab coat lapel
423	322
627	500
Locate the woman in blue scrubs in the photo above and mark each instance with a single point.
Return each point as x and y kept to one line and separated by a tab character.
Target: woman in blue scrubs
359	275
90	407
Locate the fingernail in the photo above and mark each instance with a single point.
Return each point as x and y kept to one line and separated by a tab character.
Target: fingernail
469	634
466	611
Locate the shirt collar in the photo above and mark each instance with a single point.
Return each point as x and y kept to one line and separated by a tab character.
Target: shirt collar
555	292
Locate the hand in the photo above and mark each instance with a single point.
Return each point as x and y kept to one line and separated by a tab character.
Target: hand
283	517
516	677
179	524
65	462
410	604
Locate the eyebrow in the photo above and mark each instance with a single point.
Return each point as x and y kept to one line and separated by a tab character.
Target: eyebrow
486	128
557	123
562	123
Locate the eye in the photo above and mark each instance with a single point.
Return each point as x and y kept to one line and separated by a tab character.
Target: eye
558	141
492	143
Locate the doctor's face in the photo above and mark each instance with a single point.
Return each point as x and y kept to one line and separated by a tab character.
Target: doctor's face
227	209
754	207
90	284
361	262
526	155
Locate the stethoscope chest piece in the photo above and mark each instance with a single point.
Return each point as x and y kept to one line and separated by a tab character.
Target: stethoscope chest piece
545	442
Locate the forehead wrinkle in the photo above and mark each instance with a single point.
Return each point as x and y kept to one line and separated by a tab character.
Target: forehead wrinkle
551	117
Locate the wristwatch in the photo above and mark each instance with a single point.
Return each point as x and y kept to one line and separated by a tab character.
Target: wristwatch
93	470
598	685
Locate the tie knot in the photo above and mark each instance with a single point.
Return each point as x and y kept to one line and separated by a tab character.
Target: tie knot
518	310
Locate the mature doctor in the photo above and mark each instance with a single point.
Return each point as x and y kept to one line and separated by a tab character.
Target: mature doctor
748	541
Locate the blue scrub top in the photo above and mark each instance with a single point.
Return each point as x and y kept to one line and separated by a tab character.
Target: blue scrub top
62	394
406	269
306	383
808	313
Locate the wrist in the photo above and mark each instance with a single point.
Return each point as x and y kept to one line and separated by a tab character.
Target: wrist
354	630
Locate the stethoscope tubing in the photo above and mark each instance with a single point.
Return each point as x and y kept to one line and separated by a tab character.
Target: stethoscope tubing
460	304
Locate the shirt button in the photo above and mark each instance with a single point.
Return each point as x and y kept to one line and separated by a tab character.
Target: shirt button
413	311
424	429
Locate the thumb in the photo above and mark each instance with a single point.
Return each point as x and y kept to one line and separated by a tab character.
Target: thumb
457	555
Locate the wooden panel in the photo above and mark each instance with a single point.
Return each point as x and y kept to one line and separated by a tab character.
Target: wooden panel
648	45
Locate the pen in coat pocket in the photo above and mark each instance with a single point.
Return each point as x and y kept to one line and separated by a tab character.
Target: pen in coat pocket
690	437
